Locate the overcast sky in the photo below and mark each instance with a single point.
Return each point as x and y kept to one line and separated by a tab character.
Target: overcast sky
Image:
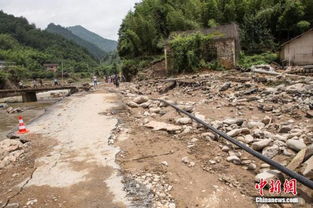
100	16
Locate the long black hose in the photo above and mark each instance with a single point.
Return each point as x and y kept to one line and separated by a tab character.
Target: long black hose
305	181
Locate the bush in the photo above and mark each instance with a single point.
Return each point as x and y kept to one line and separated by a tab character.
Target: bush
129	68
191	52
264	58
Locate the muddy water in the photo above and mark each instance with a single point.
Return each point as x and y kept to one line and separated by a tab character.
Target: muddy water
30	111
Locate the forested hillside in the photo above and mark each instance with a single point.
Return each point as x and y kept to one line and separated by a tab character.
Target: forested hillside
104	44
264	23
30	48
92	49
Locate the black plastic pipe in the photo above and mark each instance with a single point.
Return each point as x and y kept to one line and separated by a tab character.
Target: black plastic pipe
305	181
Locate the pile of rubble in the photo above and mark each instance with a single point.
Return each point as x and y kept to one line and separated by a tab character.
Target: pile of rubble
303	70
149	189
11	150
283	130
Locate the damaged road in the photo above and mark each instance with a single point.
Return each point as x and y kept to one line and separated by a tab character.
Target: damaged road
79	169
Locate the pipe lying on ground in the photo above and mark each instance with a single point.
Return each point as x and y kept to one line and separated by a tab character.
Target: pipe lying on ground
305	181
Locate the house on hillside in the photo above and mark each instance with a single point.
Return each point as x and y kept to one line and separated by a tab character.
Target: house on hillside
225	46
51	67
299	50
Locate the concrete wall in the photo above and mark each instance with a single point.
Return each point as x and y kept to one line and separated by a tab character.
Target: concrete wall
226	52
299	51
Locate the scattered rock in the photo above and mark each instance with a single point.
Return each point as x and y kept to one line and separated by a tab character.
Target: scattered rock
271	151
3	105
296	145
225	148
141	99
9	145
155	110
248	139
234	159
11	110
255	124
145	105
31	202
267	120
268	175
308	168
225	87
309	114
261	144
188	162
188	108
183	121
284	129
158	126
237	132
164	163
132	104
13	205
231	121
297	160
251	166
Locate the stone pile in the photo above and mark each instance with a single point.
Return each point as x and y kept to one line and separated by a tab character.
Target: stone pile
10	152
151	186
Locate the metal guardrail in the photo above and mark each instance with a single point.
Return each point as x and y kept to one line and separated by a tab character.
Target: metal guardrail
305	181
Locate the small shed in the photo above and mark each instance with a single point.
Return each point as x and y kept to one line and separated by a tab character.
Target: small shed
299	50
226	46
51	67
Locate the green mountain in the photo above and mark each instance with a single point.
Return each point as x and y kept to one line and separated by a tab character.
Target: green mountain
30	48
104	44
67	34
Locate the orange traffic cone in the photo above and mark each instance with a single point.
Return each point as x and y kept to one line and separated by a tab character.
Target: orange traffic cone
21	127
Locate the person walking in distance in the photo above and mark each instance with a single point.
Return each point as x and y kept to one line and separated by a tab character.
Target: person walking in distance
116	80
56	82
95	82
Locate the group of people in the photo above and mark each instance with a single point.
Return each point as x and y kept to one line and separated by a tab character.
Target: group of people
115	79
37	83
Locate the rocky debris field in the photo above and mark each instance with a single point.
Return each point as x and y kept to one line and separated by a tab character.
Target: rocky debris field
270	114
